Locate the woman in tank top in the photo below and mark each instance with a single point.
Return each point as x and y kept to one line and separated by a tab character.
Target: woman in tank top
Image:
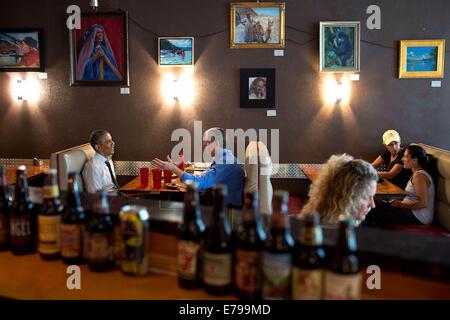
418	205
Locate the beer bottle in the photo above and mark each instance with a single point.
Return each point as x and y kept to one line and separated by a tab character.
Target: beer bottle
73	224
309	260
100	253
249	247
343	280
5	209
277	256
49	219
190	240
23	217
218	252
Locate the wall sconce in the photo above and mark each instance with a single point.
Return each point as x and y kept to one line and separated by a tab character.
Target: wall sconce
339	93
94	4
176	89
20	89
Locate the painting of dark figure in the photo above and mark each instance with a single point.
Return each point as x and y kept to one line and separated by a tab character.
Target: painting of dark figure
339	43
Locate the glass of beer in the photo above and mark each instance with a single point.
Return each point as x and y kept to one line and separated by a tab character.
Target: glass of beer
156	174
143	175
167	176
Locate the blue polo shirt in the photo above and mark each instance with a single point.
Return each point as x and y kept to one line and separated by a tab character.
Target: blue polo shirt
224	170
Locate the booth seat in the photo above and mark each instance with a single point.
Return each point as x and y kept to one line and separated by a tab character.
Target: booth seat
441	223
71	160
258	168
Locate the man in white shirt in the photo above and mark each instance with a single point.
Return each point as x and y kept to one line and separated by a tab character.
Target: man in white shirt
98	173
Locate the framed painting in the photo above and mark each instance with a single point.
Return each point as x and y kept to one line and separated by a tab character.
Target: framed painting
21	50
257	88
176	51
422	58
257	25
99	50
339	46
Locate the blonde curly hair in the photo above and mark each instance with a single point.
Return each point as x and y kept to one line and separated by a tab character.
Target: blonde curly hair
339	187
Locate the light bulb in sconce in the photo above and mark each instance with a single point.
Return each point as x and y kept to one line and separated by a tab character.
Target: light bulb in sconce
20	89
94	4
339	92
176	90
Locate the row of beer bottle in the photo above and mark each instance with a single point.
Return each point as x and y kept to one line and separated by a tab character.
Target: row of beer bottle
55	231
255	265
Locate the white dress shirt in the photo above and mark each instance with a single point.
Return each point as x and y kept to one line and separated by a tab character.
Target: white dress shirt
96	175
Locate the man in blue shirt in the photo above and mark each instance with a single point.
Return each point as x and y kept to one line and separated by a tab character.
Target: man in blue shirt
224	168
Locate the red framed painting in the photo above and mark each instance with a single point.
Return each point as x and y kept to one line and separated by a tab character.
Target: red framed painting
99	50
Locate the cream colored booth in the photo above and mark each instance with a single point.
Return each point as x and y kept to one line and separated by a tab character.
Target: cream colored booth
71	160
258	169
442	211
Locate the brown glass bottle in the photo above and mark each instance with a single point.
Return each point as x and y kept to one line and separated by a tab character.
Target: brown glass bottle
250	239
277	256
191	234
218	252
23	217
100	255
5	209
73	224
343	280
49	219
309	260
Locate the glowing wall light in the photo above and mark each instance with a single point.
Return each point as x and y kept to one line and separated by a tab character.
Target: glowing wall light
20	89
337	91
178	89
26	89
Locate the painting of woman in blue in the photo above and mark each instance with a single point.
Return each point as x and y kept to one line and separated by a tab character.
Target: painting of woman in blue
96	59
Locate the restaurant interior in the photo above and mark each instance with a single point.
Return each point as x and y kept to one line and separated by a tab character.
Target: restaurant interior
336	76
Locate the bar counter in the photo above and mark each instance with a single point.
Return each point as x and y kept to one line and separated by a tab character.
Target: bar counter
412	266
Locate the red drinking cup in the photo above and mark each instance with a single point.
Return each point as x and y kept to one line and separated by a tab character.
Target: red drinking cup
156	173
167	176
143	175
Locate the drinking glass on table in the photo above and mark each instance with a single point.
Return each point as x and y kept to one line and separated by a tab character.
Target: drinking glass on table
156	174
143	175
167	176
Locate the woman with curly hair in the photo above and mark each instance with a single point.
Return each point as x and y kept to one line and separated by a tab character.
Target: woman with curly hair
344	186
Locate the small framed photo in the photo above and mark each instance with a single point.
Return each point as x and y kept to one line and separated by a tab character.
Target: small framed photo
422	58
257	88
21	50
176	51
339	46
257	25
99	50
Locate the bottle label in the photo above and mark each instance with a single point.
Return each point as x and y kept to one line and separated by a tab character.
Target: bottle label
343	286
307	284
21	227
277	270
71	237
50	192
217	269
49	234
3	229
100	247
247	272
187	256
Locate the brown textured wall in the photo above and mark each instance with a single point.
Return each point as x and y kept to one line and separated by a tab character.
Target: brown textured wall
141	123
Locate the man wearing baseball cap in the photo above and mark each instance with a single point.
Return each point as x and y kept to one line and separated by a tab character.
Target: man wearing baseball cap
391	158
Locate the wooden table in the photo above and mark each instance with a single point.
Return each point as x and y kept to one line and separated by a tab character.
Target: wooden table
134	186
32	171
384	188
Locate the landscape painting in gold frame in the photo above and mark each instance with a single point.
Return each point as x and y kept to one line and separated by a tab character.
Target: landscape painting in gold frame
257	25
422	58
